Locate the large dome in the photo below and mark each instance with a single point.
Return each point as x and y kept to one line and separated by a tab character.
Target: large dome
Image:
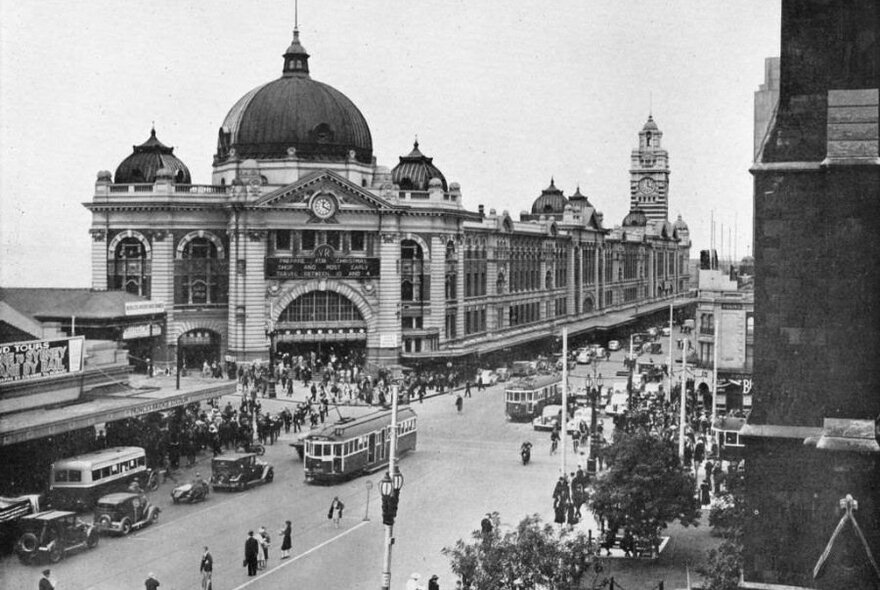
294	111
147	159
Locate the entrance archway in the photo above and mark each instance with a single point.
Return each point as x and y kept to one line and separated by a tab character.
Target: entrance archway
197	346
323	327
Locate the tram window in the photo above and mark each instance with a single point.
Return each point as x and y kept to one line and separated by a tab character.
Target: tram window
337	449
96	475
357	241
308	239
74	476
142	461
105	472
61	475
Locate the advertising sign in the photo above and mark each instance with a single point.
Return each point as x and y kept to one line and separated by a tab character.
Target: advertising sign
38	359
297	267
144	307
141	331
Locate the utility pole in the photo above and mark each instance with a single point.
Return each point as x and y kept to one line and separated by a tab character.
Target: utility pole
564	396
669	365
715	370
683	398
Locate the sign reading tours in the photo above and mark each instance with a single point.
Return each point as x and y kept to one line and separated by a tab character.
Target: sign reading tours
293	267
37	359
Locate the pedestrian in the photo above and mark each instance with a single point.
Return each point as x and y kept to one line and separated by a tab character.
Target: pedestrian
467	389
251	553
286	544
205	568
554	440
458	403
433	584
47	583
413	582
335	512
264	545
151	583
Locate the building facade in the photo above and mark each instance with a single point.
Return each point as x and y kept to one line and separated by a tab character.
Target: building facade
303	243
810	443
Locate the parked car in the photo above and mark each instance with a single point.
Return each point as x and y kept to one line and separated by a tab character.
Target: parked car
523	368
123	512
190	492
614	345
53	534
489	377
550	416
502	374
584	356
238	471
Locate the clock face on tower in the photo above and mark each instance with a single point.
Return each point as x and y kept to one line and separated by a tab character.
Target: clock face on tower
647	185
324	206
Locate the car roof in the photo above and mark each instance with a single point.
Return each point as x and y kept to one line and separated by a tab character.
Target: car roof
232	457
48	515
117	498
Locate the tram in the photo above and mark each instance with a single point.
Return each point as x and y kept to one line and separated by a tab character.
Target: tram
354	446
526	398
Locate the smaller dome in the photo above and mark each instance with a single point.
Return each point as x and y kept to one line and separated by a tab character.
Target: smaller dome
105	176
650	125
635	218
146	161
680	225
415	171
551	201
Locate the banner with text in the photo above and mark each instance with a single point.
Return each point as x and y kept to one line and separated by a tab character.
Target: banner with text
293	267
38	359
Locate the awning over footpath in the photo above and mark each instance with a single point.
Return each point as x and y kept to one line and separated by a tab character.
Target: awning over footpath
40	423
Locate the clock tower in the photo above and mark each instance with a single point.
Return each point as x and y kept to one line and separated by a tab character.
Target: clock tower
649	174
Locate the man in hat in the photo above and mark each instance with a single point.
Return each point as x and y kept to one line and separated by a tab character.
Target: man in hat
251	553
413	582
151	583
433	584
45	582
206	568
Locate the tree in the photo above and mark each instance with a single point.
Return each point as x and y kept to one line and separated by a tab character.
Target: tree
531	556
726	517
645	487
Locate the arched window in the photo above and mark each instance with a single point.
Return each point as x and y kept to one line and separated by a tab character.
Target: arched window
201	274
319	308
451	272
129	269
406	291
548	280
499	284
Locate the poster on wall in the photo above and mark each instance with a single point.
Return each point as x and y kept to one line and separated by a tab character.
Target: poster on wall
40	359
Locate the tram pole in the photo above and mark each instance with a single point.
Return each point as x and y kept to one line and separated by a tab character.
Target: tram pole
564	396
390	493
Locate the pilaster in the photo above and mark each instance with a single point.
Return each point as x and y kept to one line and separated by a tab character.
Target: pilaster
99	259
253	292
387	341
459	317
437	318
162	275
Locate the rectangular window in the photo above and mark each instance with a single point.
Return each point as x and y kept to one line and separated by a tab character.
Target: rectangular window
309	238
282	240
334	239
74	476
61	475
357	241
96	475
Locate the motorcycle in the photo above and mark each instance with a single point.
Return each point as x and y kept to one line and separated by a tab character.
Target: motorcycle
253	447
190	492
526	453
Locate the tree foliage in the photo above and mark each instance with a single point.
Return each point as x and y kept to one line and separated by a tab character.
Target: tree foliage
533	555
726	517
645	486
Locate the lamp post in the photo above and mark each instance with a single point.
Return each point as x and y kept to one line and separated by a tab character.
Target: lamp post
389	488
594	387
270	388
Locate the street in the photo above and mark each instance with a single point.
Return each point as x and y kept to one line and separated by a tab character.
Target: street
465	465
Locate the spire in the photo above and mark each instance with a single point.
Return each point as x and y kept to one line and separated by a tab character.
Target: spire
296	58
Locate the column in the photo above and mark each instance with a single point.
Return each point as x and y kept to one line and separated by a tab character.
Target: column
99	259
437	318
253	294
387	346
162	276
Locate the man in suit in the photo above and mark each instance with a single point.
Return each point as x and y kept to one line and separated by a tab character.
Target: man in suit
206	567
251	553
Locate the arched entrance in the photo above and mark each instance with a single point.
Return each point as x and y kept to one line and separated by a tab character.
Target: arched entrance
321	326
197	346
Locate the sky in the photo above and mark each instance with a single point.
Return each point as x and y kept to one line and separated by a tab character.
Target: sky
503	94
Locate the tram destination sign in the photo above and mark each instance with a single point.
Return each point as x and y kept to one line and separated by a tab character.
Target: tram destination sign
294	267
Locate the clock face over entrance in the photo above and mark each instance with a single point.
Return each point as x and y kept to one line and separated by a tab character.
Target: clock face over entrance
647	185
324	206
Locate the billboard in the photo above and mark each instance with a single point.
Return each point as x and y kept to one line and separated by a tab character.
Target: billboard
38	359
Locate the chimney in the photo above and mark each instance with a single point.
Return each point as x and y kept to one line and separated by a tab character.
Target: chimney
482	210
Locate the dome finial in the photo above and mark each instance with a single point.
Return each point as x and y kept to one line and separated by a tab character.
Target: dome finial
153	129
296	58
416	142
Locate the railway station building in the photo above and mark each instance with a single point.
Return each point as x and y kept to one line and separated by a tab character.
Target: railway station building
303	243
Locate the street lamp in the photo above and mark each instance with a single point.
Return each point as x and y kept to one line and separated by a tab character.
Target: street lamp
389	488
594	389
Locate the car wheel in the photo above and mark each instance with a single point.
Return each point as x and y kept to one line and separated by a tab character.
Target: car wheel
55	554
270	476
28	543
154	514
125	526
153	481
260	450
92	539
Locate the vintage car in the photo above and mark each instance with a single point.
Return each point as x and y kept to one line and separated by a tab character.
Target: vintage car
502	374
53	534
238	471
123	512
550	416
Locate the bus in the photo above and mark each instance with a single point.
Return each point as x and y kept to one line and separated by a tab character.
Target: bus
526	398
354	446
76	483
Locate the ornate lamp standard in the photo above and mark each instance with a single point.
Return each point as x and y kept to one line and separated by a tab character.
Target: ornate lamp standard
389	488
594	389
